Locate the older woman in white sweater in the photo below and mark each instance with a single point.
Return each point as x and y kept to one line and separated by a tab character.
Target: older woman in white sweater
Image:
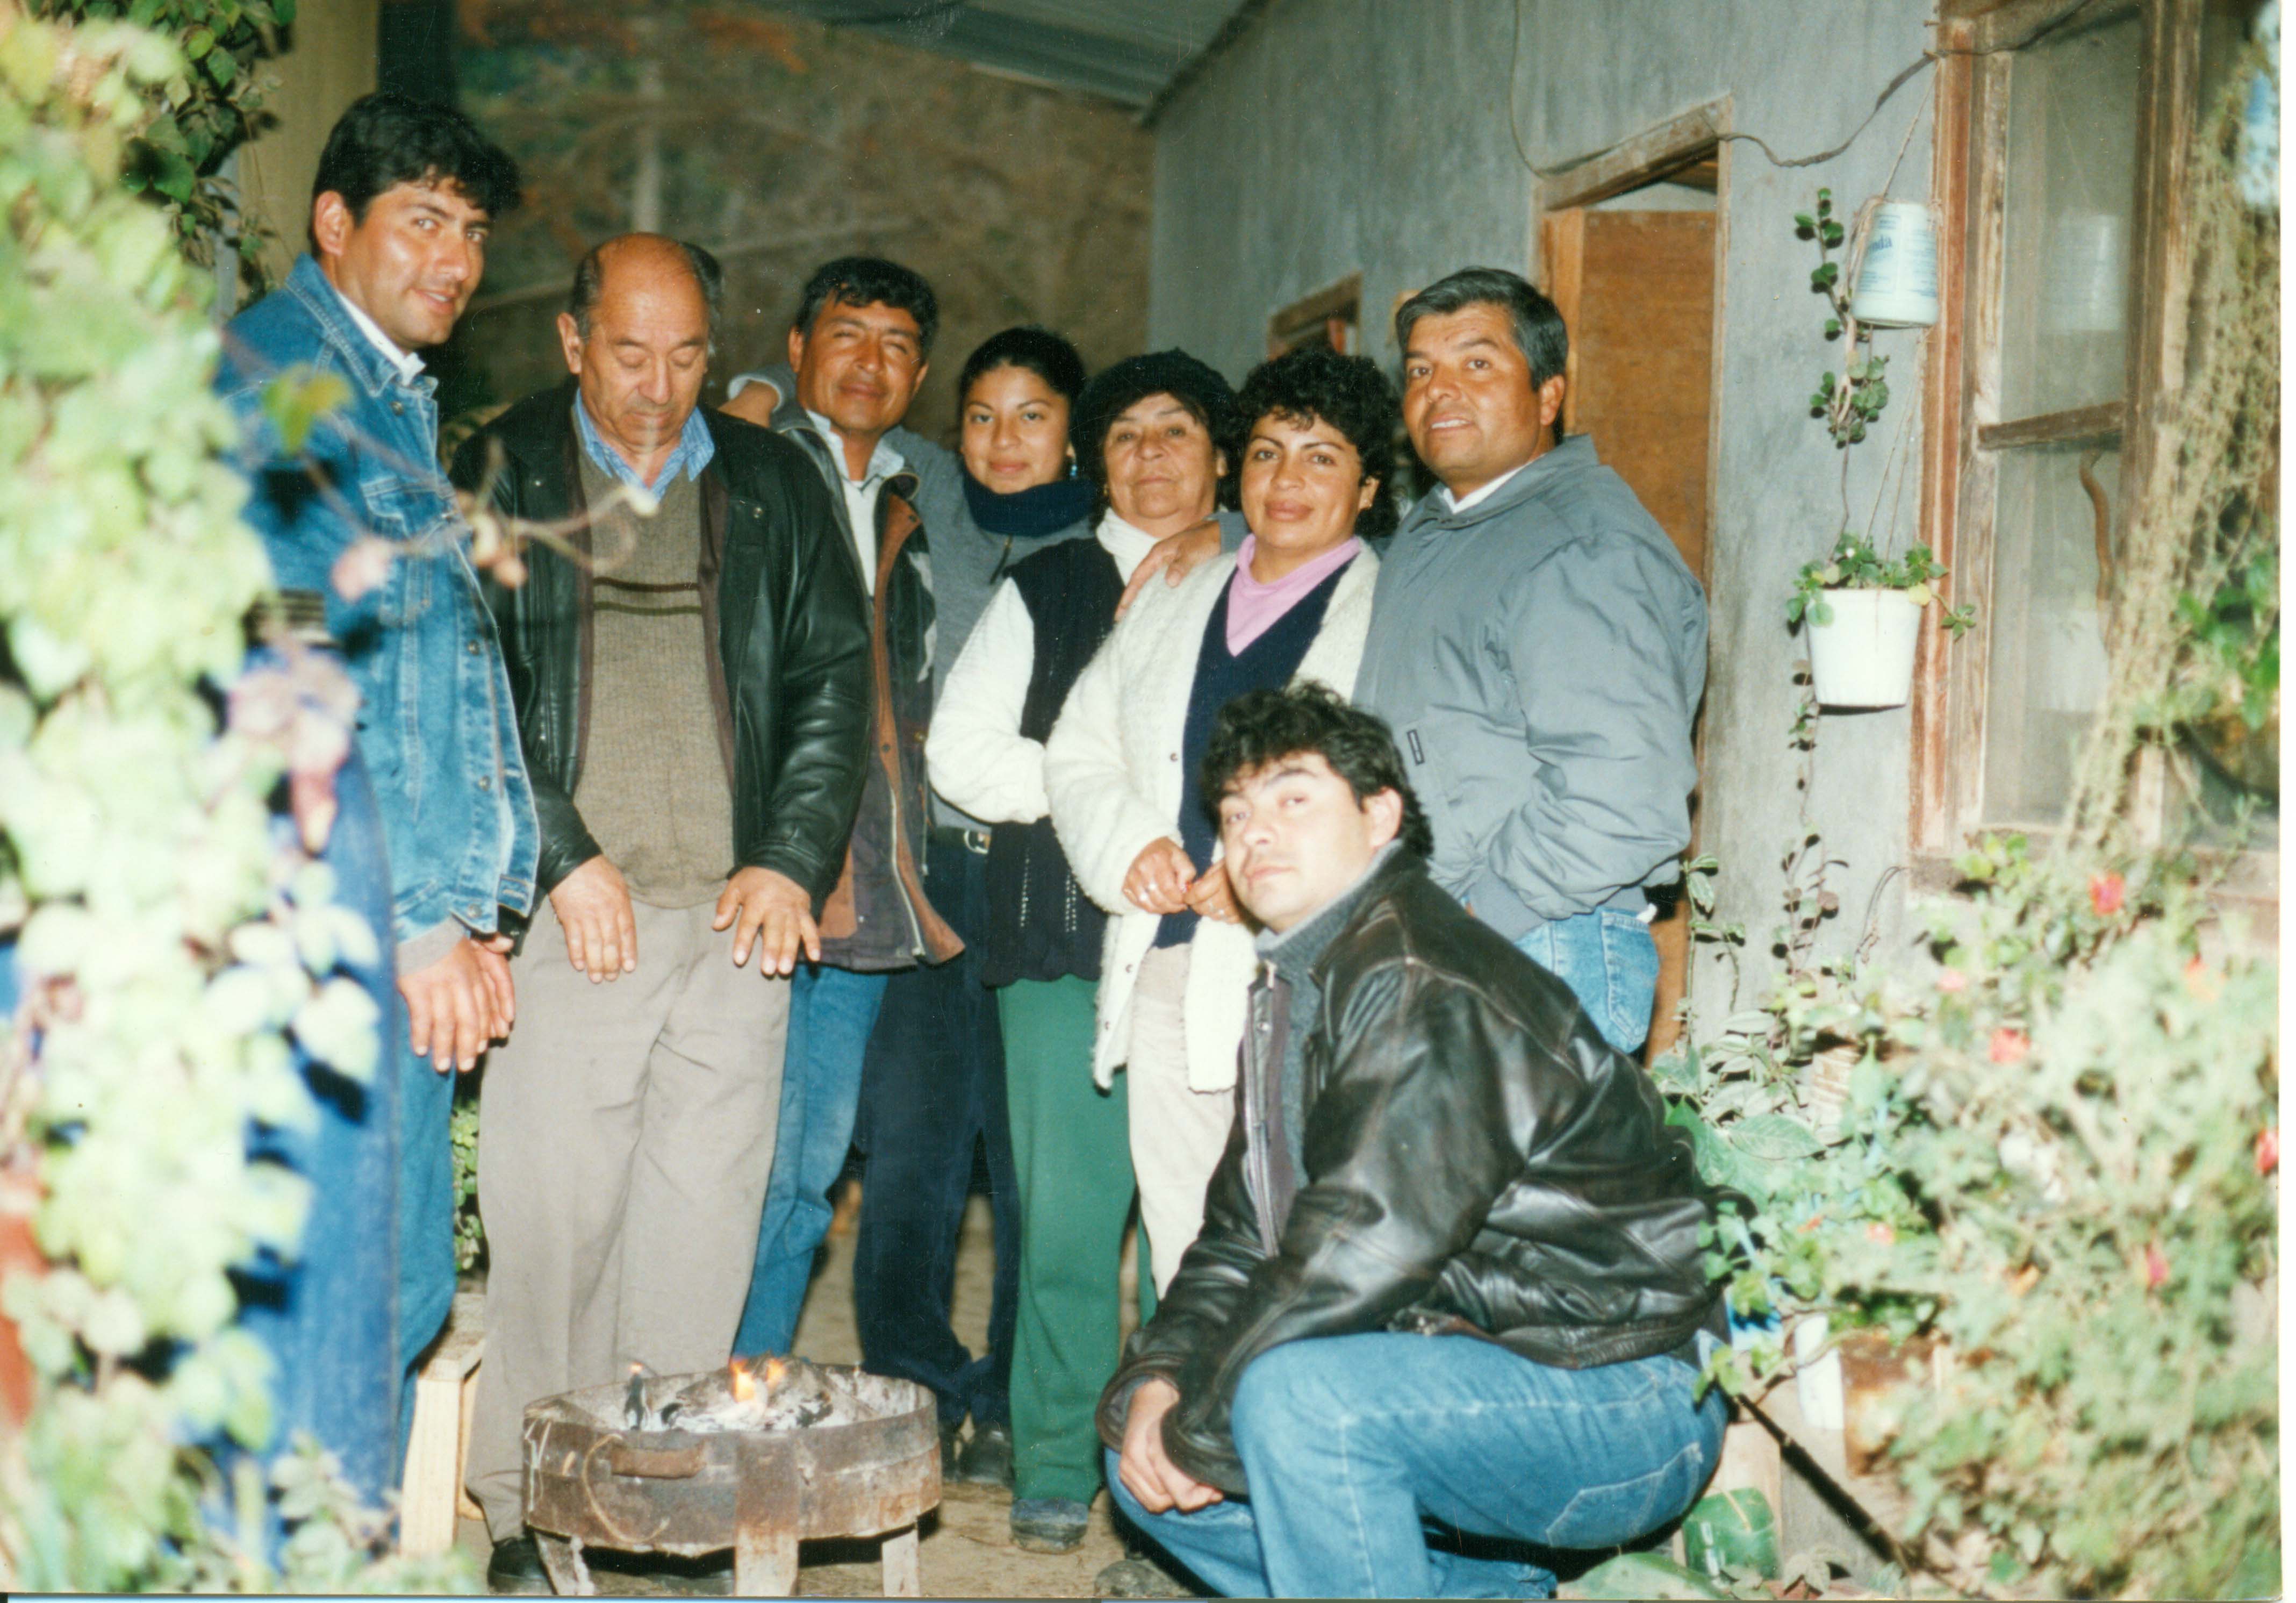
1121	768
1150	433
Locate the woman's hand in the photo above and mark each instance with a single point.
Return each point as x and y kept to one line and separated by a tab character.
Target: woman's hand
1213	897
1160	878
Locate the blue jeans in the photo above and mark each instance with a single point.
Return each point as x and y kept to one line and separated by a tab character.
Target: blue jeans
933	1089
329	1315
1354	1446
832	1011
1609	962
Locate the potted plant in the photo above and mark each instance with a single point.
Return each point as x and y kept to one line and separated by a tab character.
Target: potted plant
1862	610
1862	607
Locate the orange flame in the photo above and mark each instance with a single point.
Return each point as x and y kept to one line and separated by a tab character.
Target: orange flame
774	1370
744	1388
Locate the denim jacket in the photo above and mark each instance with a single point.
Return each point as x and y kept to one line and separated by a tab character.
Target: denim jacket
434	723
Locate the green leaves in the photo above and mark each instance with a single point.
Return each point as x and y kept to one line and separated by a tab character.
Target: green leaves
299	399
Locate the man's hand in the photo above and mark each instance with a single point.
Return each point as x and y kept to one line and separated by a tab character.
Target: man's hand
1175	558
458	1004
774	910
592	904
1146	1473
1158	879
1213	897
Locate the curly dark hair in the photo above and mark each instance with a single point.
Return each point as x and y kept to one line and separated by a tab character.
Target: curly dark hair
1264	726
1350	394
1119	387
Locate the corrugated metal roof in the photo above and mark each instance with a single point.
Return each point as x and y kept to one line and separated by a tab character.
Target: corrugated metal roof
1128	51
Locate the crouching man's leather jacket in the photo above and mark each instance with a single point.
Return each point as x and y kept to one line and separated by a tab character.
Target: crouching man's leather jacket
791	677
1473	1161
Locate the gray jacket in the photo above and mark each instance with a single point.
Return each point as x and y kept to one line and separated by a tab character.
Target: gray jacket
1540	657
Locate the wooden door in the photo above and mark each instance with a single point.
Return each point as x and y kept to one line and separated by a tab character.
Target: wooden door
1636	294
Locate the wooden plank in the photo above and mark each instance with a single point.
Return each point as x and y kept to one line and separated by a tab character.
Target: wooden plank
1562	239
431	1491
1928	806
2075	425
1670	147
1882	1500
900	1564
427	1494
1340	299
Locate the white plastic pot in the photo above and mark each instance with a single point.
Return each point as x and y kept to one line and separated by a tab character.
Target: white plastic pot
1864	658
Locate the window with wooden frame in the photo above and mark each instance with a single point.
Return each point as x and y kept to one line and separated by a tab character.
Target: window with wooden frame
1332	319
2063	133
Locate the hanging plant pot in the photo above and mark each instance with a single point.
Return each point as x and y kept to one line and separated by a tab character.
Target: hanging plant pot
1864	657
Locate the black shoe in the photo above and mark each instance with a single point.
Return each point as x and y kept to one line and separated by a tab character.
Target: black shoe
986	1459
517	1567
1049	1524
951	1449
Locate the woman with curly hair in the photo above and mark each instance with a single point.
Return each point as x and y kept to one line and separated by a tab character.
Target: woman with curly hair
1315	457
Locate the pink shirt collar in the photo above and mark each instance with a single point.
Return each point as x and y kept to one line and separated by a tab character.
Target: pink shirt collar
1254	608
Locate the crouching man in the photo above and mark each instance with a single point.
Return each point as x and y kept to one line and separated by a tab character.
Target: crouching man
1449	1281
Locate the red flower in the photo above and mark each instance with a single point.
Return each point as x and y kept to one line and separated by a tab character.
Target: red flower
2009	1048
2268	1149
2106	891
1952	980
2156	1267
1881	1234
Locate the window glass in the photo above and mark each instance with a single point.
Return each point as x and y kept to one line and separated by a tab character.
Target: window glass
2046	668
2070	189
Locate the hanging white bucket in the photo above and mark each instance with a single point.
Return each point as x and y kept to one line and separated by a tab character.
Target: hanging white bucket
1864	658
1897	279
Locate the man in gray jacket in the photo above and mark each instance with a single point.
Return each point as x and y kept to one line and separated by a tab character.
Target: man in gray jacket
1539	649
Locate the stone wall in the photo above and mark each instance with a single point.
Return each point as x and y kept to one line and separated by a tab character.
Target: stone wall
779	143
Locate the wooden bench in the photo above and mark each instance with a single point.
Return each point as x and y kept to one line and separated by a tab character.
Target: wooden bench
431	1495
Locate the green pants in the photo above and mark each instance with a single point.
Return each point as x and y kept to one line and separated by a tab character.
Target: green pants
1073	1159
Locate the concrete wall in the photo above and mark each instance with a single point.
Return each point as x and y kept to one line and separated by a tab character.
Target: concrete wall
1345	136
329	63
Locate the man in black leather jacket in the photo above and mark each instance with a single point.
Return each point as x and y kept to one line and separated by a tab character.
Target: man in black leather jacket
1450	1279
693	692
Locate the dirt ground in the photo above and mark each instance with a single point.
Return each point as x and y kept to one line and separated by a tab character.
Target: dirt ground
967	1550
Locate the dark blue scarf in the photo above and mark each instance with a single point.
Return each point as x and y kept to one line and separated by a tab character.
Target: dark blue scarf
1030	514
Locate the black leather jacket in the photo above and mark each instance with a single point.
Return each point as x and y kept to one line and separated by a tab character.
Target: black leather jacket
790	678
1475	1161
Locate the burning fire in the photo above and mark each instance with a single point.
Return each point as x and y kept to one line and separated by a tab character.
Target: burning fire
744	1388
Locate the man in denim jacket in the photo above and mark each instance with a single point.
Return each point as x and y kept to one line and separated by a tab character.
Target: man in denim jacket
360	516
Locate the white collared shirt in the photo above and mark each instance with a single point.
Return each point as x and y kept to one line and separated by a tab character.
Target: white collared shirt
409	365
861	494
1476	498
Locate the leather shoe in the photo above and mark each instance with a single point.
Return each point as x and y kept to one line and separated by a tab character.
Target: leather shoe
986	1459
517	1567
1048	1524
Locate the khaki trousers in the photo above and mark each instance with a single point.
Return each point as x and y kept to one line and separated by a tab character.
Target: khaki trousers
1177	1134
625	1130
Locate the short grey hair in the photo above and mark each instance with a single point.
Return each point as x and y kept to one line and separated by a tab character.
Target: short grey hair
589	283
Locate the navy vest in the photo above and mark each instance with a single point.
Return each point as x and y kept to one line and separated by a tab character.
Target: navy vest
1268	663
1041	924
